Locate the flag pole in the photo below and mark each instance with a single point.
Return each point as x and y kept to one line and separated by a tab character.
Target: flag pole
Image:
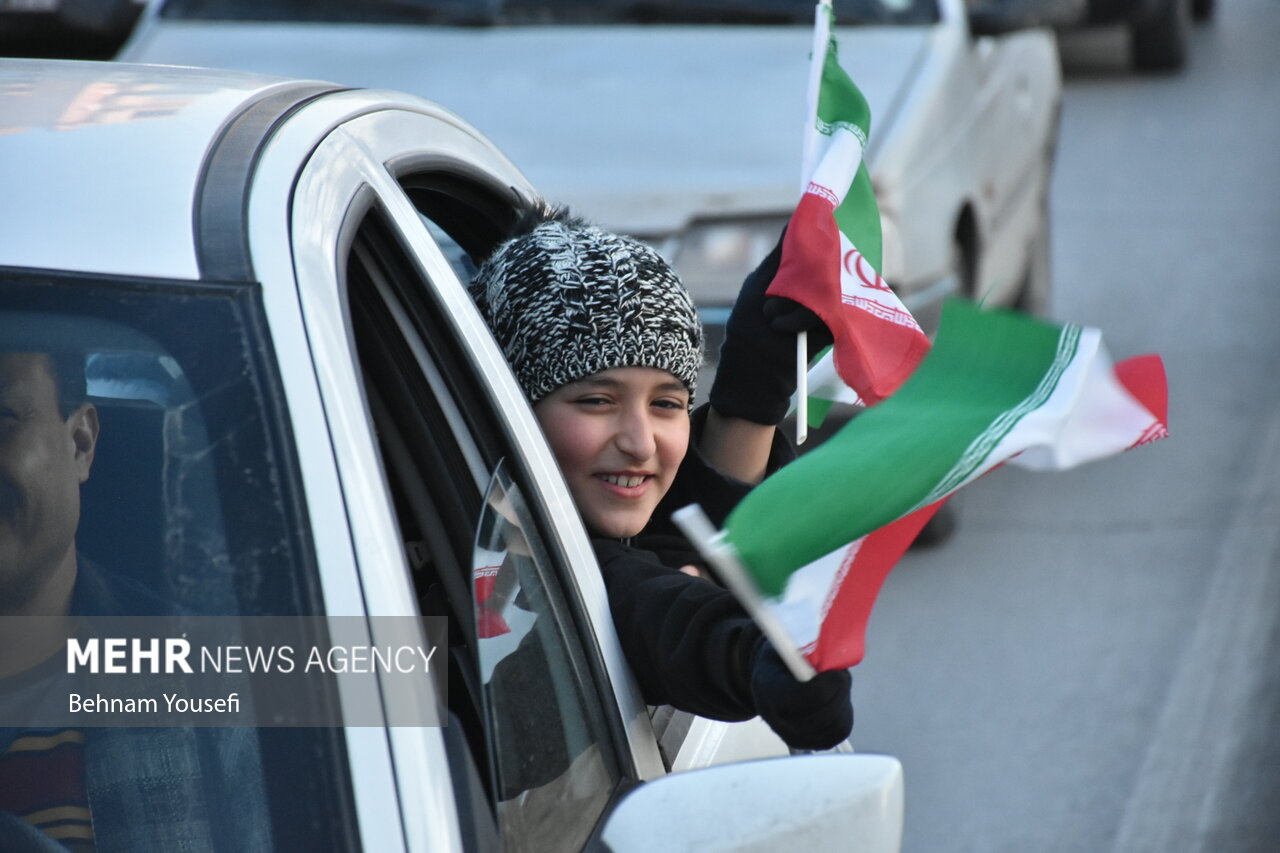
699	530
821	38
802	387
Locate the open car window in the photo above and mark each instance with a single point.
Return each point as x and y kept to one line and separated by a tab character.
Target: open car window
529	707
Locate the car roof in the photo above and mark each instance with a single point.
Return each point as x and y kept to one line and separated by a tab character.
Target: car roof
102	163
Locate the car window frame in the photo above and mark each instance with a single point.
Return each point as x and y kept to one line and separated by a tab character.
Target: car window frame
460	152
352	147
402	801
396	328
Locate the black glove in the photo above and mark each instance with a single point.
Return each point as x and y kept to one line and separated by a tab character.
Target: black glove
756	375
814	714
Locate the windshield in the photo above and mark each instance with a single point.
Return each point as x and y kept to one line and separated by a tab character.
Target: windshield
551	12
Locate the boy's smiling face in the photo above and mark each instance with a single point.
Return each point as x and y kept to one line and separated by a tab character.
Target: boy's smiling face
619	435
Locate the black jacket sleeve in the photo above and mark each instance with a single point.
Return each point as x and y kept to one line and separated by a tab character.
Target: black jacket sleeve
688	641
698	482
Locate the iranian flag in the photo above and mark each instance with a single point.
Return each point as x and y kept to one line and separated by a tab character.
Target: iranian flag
808	549
831	254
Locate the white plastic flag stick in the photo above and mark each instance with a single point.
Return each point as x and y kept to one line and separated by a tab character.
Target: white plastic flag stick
802	388
698	529
817	61
834	238
821	36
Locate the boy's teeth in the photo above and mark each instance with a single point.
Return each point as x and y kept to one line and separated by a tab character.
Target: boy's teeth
628	482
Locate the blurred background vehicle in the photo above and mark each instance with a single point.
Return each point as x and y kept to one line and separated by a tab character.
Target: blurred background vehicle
87	29
681	123
1158	30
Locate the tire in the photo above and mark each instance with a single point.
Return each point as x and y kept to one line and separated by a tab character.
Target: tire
1160	44
1202	10
940	528
1037	281
964	267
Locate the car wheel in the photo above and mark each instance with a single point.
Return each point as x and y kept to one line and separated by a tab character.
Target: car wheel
963	265
1202	10
1160	44
1037	281
940	528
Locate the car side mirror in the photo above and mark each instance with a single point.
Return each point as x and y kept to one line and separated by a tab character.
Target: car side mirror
812	802
996	17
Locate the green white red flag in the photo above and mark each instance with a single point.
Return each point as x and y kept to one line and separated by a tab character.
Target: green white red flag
808	549
831	254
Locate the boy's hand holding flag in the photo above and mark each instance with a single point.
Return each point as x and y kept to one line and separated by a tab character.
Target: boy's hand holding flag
831	253
822	277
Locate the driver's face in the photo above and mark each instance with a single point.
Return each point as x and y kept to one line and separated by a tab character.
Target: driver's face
43	460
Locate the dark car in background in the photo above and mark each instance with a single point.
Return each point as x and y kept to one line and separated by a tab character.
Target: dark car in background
1158	29
69	29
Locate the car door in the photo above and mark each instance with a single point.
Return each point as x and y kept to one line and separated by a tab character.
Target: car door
1016	99
431	434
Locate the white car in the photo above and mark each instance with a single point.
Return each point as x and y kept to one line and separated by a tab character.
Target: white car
681	122
303	415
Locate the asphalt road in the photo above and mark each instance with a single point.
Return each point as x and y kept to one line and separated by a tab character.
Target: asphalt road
1093	662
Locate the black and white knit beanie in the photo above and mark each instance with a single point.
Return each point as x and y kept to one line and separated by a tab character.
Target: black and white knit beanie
565	300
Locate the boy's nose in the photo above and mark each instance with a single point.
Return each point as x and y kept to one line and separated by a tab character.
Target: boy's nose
635	435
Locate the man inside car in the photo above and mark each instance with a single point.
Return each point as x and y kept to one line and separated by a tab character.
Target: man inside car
108	788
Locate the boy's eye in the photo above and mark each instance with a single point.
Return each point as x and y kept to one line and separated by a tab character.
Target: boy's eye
592	401
674	405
